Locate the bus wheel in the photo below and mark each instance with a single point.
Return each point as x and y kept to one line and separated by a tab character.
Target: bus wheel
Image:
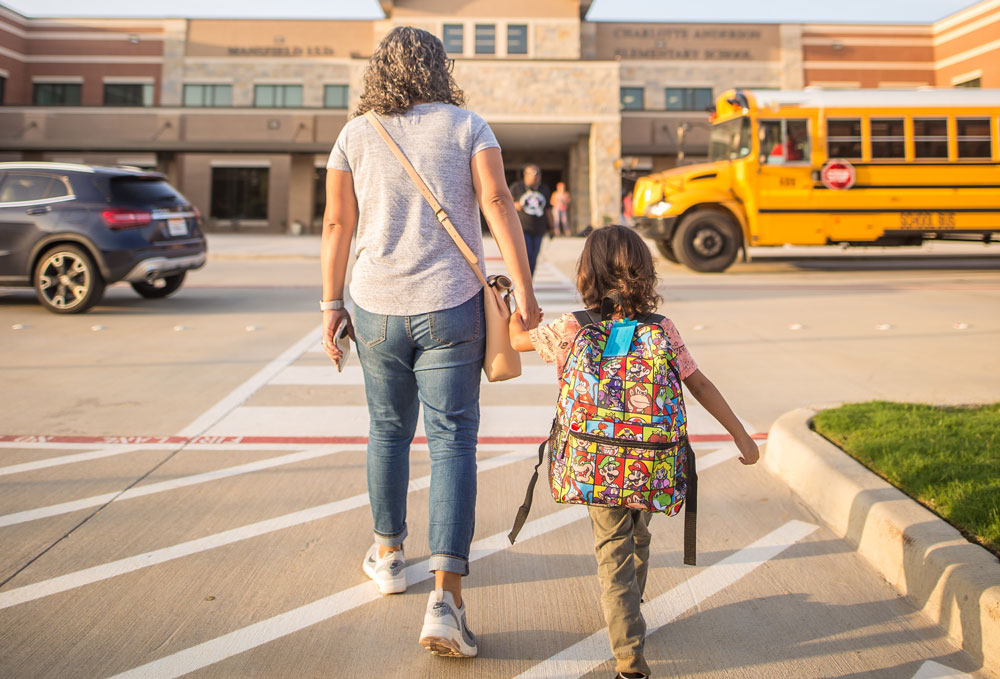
706	241
666	249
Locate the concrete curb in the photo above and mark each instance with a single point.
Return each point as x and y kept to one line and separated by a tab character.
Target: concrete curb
954	582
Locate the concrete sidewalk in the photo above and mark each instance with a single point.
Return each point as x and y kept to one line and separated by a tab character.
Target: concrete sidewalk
280	246
954	582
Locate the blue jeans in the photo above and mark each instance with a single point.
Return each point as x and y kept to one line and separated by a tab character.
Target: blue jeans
533	244
436	358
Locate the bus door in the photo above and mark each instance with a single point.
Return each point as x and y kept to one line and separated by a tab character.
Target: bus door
784	182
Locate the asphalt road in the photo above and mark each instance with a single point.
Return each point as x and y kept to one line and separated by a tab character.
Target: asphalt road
182	487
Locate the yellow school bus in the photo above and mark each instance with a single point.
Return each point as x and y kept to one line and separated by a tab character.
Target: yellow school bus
815	167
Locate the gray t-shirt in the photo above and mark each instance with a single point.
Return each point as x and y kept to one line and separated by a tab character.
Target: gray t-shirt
407	263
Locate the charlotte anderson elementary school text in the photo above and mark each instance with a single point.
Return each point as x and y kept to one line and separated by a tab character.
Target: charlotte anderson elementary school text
241	114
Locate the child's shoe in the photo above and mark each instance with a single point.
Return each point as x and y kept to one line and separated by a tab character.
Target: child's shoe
388	572
445	630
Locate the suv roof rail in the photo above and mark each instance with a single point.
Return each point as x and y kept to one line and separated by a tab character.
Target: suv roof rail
42	165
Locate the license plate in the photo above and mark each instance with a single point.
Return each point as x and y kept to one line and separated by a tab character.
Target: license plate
177	226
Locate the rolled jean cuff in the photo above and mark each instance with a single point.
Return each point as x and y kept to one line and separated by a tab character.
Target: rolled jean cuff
451	564
391	540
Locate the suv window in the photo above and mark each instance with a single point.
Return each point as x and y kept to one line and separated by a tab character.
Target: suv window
17	187
143	190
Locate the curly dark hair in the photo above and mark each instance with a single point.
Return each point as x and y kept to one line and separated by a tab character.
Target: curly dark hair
616	263
409	65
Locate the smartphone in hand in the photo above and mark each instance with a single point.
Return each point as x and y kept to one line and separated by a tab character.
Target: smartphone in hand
343	342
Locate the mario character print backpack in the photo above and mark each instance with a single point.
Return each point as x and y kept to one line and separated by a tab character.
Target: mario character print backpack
619	438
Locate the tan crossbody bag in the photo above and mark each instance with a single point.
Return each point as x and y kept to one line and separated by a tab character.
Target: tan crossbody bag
501	361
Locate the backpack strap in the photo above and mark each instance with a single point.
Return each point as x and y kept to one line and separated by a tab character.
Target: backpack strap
690	508
586	317
522	511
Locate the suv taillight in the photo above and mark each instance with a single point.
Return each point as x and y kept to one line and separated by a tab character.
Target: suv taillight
123	218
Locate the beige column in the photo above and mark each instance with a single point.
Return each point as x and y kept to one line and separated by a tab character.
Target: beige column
194	180
579	184
300	192
605	180
792	69
172	72
278	183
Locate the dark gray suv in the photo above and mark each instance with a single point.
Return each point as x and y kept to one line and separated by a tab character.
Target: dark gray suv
70	230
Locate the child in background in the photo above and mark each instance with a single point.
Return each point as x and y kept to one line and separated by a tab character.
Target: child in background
560	209
616	263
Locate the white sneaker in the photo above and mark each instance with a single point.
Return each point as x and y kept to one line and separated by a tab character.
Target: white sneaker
445	630
388	572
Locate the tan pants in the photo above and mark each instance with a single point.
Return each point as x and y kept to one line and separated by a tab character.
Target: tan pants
621	542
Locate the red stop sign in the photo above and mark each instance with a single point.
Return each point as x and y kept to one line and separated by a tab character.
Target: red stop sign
837	174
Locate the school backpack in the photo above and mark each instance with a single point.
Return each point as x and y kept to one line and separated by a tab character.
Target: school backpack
619	438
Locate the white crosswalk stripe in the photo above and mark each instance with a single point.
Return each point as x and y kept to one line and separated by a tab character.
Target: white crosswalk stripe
265	631
935	670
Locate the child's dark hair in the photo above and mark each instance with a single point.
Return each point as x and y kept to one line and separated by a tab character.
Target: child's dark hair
616	263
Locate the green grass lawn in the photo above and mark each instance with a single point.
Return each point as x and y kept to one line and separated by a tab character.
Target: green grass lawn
948	459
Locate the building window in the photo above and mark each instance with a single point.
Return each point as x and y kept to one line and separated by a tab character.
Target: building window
843	138
888	138
974	82
128	94
239	192
277	96
57	94
486	39
974	140
208	95
335	96
452	38
930	136
784	141
517	39
688	98
632	98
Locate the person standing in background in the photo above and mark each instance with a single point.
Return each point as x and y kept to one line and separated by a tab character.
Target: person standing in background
532	200
560	209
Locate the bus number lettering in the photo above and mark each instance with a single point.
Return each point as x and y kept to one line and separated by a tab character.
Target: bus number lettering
787	181
927	220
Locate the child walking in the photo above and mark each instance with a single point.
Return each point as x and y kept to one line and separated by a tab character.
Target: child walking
616	264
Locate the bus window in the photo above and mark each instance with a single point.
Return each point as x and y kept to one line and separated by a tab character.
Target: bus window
784	141
931	137
888	138
974	138
843	138
730	140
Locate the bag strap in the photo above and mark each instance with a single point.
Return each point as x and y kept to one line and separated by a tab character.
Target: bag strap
439	212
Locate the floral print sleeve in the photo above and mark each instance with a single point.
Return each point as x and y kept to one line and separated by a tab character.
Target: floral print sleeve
685	362
552	341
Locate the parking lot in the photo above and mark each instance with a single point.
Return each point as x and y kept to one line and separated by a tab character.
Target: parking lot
184	488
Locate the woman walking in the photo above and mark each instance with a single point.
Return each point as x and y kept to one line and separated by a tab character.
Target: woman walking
419	320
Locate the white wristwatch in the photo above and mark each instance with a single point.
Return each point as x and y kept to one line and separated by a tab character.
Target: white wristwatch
332	305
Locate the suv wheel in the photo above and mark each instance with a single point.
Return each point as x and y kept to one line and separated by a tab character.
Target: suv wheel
161	287
67	280
707	241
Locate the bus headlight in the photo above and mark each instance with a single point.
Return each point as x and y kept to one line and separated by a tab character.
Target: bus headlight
659	209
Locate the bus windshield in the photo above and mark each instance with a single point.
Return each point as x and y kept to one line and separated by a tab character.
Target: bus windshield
730	140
